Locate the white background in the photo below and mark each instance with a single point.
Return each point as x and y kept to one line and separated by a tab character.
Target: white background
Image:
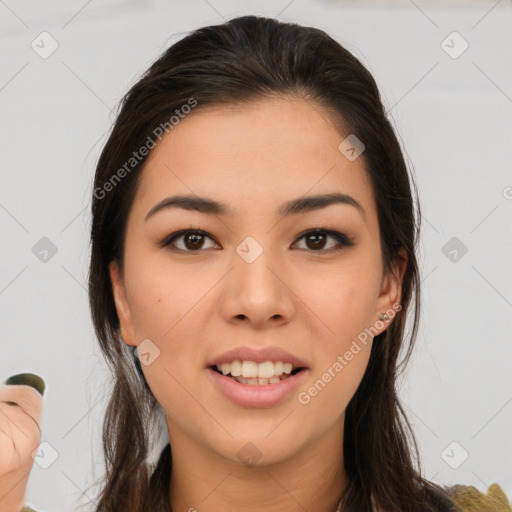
453	115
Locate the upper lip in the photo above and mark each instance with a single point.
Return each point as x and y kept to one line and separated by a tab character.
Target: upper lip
257	355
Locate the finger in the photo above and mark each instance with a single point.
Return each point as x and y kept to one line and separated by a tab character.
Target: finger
23	399
21	404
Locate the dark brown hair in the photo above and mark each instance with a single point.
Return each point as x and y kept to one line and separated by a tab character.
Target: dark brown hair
246	59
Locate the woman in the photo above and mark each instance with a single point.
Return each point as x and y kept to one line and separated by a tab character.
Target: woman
253	261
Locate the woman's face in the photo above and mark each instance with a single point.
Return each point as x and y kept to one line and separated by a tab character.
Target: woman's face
253	278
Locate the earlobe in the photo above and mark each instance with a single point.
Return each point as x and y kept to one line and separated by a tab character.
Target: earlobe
121	303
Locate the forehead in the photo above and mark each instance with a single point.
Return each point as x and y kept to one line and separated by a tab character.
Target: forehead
252	155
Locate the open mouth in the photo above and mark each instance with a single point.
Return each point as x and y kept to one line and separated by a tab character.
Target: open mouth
258	381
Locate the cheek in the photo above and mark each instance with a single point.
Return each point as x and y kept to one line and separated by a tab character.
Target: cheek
342	301
343	304
169	307
162	297
164	304
334	386
339	369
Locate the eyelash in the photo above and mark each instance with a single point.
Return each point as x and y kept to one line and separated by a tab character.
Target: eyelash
341	238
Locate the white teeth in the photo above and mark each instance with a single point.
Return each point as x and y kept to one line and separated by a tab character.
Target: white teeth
260	382
236	368
249	369
268	370
278	368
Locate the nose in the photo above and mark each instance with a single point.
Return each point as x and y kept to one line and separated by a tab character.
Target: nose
257	292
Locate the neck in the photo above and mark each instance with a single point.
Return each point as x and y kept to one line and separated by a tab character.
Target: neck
202	480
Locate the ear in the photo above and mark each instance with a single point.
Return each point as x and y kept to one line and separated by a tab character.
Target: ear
391	290
122	307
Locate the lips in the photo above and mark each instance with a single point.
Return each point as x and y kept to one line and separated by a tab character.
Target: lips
256	396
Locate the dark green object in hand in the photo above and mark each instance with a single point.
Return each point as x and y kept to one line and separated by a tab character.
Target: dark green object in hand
27	379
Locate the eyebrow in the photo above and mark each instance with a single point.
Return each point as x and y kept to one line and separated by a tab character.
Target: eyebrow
293	207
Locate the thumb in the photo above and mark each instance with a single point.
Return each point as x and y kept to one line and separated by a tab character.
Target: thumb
26	391
21	405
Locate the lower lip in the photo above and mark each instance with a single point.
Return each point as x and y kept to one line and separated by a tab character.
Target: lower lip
266	395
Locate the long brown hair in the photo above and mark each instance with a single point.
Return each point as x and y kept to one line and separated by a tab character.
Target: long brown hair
242	60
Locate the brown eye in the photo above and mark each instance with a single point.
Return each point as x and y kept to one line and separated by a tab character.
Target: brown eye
191	240
316	240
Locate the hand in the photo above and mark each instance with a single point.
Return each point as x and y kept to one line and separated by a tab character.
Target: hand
21	405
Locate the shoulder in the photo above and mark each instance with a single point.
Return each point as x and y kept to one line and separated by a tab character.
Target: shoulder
470	499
